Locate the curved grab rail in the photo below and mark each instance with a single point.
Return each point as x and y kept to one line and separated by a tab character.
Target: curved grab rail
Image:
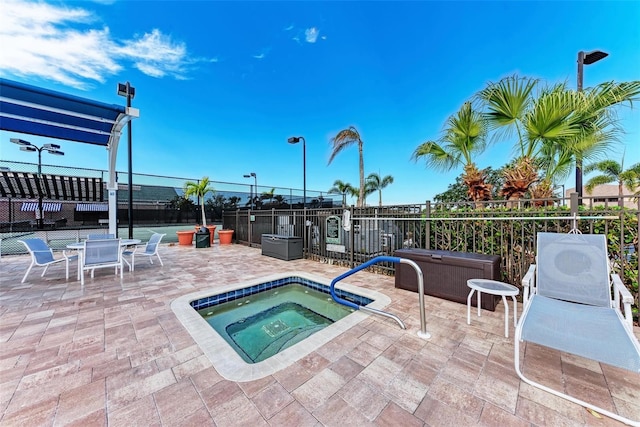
423	324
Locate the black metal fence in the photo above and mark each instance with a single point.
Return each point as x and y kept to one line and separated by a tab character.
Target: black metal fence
496	228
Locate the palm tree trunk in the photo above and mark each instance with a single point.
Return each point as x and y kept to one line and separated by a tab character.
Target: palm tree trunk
204	219
620	193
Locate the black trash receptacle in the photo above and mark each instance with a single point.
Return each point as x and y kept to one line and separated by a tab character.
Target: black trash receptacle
203	238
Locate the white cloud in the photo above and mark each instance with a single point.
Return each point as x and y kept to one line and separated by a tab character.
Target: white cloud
311	34
263	53
57	42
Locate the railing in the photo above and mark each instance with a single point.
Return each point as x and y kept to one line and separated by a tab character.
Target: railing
422	333
509	233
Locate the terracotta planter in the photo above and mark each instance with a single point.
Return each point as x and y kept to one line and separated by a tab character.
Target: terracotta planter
212	231
225	236
185	238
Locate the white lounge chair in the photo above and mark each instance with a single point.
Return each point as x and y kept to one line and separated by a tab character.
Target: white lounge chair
568	307
101	253
42	255
150	250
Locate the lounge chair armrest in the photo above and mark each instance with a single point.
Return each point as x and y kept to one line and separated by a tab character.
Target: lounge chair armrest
622	295
529	283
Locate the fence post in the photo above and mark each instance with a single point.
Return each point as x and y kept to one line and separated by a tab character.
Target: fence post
273	221
427	214
237	228
249	230
352	239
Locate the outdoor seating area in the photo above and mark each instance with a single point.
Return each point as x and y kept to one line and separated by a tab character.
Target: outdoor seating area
112	352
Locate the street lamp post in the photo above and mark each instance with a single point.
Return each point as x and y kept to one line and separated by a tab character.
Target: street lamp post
584	58
125	89
49	148
249	175
295	140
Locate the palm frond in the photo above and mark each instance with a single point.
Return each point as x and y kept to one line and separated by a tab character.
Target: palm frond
343	139
436	156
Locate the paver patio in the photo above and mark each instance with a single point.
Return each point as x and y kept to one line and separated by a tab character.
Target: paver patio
113	353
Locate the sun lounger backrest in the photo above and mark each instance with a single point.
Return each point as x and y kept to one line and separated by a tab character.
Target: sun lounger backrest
574	267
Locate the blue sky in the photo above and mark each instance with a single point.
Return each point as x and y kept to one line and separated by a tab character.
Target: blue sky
222	85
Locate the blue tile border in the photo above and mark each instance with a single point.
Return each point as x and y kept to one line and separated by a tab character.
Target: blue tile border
210	301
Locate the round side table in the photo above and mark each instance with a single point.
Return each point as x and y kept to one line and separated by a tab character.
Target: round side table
494	287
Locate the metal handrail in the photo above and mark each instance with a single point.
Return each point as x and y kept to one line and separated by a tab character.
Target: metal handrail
422	333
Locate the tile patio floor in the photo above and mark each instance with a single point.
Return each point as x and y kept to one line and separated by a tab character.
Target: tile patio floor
115	354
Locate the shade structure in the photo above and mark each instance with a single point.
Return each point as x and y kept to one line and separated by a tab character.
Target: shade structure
37	111
26	185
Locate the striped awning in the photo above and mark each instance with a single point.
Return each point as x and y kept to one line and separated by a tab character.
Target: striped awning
46	207
92	207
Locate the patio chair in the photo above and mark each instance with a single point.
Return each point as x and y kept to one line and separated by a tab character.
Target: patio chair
568	307
101	236
101	253
42	256
150	250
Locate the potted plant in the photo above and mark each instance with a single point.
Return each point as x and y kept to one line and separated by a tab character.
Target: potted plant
200	189
225	236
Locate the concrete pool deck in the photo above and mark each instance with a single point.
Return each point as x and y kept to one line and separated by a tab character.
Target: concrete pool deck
114	353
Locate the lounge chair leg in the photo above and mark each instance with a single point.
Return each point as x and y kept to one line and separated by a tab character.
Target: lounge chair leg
27	273
562	395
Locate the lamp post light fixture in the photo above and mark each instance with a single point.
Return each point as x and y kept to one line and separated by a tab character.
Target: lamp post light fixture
128	91
295	140
249	175
49	148
584	58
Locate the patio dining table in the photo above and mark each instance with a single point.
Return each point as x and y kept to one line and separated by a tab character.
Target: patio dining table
79	246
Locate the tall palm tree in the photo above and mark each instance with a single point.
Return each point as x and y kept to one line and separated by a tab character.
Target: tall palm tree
464	137
343	139
375	183
199	189
613	171
343	188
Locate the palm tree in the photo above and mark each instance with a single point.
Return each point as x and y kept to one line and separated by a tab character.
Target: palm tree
555	129
375	183
268	195
343	139
464	136
613	171
340	187
199	189
508	102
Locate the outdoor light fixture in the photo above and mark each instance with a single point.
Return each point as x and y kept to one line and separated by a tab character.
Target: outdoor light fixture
128	91
20	141
49	148
584	58
295	140
249	175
